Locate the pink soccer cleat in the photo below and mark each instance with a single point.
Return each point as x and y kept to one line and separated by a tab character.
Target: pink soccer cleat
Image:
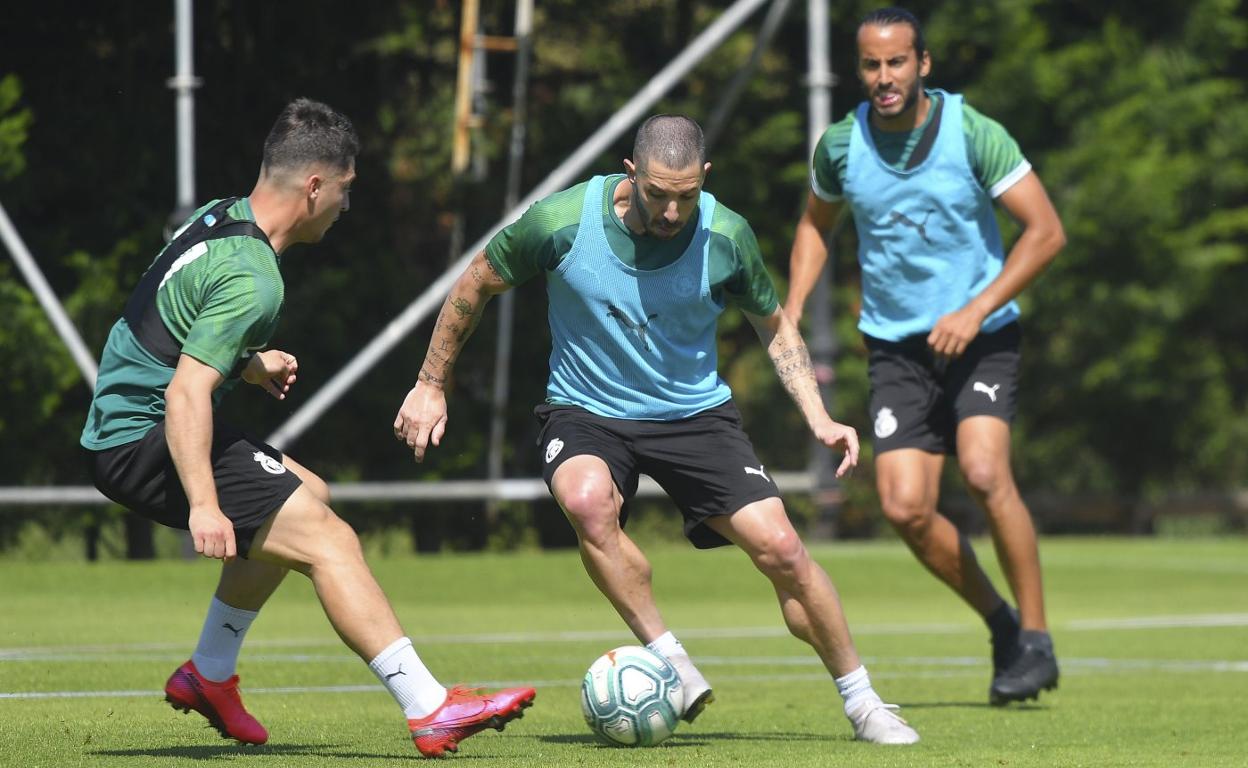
464	713
219	702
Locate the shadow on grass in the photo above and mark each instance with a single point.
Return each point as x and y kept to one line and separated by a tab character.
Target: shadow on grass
233	751
700	739
1014	707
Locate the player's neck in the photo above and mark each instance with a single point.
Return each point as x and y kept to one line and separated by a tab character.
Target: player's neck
276	215
622	204
907	120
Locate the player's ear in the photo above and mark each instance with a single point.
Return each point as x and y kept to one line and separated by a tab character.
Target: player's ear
630	168
706	171
925	64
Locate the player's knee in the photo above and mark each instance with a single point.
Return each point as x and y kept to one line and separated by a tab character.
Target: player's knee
592	510
984	475
781	555
910	514
318	487
336	540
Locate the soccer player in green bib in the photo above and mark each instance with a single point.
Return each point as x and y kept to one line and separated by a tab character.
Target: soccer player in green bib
638	268
919	170
200	319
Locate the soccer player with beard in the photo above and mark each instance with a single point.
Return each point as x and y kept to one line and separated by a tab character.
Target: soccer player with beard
638	268
919	170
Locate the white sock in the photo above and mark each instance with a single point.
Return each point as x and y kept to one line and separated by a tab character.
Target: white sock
216	656
408	680
666	645
855	688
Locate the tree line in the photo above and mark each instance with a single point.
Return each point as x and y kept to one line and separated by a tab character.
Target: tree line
1135	378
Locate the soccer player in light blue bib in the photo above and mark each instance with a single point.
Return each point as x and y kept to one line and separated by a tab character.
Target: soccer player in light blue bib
919	170
638	268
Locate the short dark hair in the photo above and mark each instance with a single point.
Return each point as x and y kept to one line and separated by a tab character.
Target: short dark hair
308	132
674	140
884	17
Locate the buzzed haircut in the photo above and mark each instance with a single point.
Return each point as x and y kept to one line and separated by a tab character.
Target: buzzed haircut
884	17
673	140
308	132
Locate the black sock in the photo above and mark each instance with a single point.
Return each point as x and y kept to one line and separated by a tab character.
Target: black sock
1003	623
1036	638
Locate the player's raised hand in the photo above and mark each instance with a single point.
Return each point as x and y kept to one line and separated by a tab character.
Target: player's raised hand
273	371
842	437
421	420
212	532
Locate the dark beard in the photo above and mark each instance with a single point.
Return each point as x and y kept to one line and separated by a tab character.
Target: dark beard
909	101
642	215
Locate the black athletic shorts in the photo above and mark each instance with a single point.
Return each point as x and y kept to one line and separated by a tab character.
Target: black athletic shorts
918	400
705	463
252	483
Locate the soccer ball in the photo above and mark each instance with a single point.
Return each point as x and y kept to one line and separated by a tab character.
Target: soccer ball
631	697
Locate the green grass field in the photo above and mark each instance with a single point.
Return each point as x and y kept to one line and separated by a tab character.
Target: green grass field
1152	636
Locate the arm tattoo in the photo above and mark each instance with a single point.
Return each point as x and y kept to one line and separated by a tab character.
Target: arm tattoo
463	307
456	322
796	370
430	378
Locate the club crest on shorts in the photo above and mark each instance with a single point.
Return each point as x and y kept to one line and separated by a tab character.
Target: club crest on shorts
552	449
268	463
885	423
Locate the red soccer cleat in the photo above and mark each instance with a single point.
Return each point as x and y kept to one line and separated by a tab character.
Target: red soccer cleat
465	713
219	702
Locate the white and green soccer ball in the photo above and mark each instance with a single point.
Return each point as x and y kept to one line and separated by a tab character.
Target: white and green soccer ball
631	696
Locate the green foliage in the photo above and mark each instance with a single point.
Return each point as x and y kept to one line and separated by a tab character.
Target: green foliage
14	125
1135	379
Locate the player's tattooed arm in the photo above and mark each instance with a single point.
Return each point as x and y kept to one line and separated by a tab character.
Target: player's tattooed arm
793	364
792	361
458	318
795	369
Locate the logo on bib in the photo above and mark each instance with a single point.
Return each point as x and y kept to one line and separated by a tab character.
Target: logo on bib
268	463
627	323
552	449
685	286
885	423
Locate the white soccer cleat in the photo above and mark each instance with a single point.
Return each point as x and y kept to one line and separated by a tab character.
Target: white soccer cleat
879	723
697	691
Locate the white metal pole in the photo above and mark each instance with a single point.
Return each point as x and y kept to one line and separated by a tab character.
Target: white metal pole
185	83
432	298
507	302
819	73
47	298
822	335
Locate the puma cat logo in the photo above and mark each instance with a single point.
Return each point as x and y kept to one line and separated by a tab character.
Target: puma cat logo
760	472
229	626
627	322
897	217
980	386
396	674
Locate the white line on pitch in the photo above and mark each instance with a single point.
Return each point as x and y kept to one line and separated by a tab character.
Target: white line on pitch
69	652
1162	622
938	667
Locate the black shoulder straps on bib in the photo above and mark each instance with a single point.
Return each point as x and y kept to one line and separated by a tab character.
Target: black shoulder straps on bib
141	313
924	147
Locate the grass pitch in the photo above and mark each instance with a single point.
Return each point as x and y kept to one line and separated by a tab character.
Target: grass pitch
1152	636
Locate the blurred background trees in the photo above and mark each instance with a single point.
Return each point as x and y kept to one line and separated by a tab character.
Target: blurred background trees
1136	371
